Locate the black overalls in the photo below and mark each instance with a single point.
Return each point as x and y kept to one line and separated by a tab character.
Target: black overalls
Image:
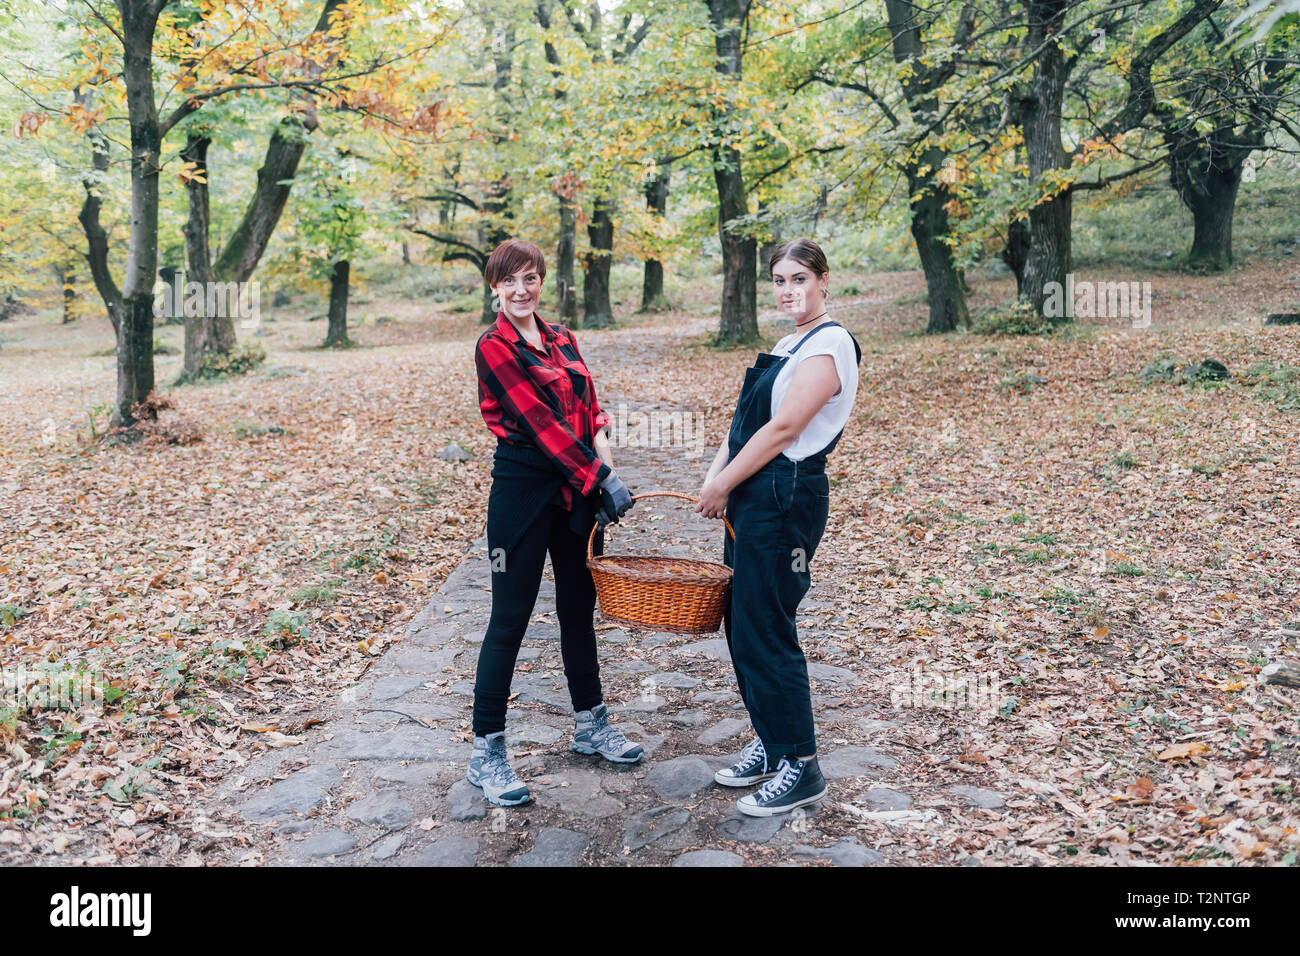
779	514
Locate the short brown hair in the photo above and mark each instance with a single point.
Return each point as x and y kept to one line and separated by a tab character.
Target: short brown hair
511	256
803	251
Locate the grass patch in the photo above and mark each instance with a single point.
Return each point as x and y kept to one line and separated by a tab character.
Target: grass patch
1018	319
245	357
326	593
1022	383
1277	384
257	429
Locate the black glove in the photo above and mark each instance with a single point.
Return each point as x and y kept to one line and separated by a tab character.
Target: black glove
615	500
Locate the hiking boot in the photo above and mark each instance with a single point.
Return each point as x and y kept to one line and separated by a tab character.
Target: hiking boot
751	768
594	734
490	770
795	785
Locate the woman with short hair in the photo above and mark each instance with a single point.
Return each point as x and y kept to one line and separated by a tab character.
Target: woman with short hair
552	476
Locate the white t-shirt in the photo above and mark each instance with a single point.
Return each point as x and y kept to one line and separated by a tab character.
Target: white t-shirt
827	423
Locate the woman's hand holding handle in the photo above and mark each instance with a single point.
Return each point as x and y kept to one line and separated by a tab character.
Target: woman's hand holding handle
615	500
713	499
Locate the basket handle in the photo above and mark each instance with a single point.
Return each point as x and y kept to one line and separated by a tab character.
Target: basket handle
591	538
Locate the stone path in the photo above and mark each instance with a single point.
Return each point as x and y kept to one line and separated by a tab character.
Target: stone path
382	781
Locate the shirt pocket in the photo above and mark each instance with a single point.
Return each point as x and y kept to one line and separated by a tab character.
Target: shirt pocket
579	379
545	377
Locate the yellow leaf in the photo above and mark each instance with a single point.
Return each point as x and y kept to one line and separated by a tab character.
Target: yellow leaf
1180	751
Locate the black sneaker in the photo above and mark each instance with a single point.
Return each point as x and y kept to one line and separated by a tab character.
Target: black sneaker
795	785
751	768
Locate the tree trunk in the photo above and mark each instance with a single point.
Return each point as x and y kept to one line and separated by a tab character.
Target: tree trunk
929	196
1207	178
765	253
135	370
497	201
739	319
566	291
174	279
66	276
1048	260
244	249
203	333
656	201
1016	250
337	336
96	237
943	282
596	310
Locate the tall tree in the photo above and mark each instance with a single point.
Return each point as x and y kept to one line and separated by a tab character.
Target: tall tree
928	193
1227	102
739	318
656	200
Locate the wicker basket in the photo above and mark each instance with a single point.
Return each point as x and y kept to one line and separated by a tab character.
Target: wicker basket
661	594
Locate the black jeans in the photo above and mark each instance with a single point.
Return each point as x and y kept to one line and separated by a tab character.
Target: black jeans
514	594
779	515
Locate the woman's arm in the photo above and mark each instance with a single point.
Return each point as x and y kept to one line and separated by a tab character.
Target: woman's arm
815	382
601	443
719	462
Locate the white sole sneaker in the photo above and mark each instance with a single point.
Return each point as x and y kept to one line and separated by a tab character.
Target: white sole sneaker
727	780
754	810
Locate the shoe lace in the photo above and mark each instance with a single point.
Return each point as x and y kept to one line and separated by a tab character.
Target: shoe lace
497	769
752	754
608	736
787	774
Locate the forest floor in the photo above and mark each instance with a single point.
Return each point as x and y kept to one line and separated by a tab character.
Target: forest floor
1107	557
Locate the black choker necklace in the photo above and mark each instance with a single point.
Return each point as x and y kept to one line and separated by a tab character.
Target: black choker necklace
800	325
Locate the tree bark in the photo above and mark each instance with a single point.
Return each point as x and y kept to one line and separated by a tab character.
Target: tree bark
96	237
242	252
1016	250
135	369
244	249
66	278
739	319
337	335
565	252
1048	259
656	201
597	313
943	282
200	329
1207	184
497	201
929	196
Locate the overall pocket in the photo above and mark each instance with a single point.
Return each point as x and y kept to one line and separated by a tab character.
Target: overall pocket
783	489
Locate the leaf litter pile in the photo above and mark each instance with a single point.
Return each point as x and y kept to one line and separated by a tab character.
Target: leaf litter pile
1059	564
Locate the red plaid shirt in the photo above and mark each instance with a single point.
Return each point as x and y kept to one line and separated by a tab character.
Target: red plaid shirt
544	398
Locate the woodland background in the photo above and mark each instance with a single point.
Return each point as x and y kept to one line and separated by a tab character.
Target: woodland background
229	518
